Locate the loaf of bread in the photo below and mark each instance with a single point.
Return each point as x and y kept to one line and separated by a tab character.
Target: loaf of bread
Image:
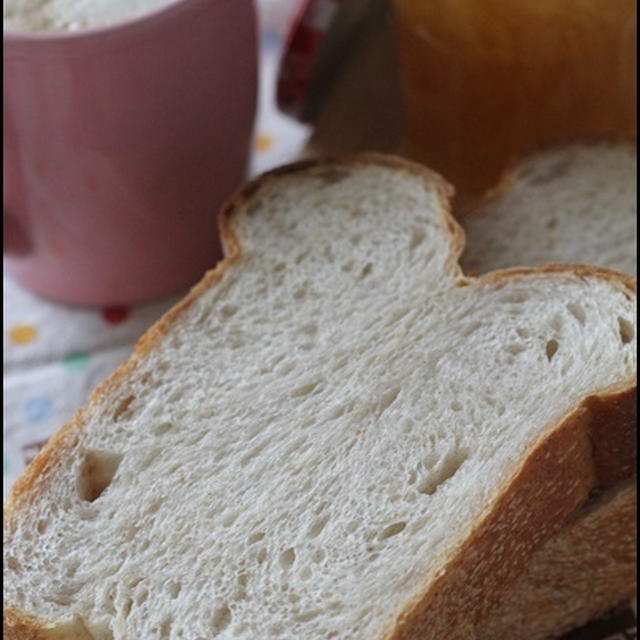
335	435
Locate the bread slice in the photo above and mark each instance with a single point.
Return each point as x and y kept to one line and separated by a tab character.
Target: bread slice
571	203
335	435
575	203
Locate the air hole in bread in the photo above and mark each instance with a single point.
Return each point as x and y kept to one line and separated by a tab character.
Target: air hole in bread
471	328
522	332
551	348
318	556
416	239
321	507
304	389
352	526
72	568
41	526
162	428
341	363
356	239
300	293
347	266
255	537
392	530
287	558
456	406
228	310
387	399
317	526
13	564
174	589
307	615
229	519
58	598
515	348
305	573
242	579
338	411
449	467
310	329
577	312
96	473
221	619
142	596
626	330
552	223
122	407
556	322
165	627
366	270
516	297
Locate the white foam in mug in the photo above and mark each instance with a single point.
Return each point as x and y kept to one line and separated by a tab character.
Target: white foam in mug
71	15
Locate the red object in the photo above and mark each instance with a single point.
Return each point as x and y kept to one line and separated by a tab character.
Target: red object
115	315
307	32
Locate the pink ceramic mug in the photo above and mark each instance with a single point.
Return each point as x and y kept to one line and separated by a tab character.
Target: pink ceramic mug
120	144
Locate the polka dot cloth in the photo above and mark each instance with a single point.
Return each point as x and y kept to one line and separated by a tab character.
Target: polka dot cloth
115	315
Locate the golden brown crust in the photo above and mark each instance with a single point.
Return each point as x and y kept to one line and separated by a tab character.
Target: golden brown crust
551	483
580	574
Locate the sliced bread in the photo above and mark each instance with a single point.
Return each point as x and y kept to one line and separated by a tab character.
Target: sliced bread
572	203
335	435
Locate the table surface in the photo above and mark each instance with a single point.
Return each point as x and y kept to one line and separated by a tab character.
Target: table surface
54	354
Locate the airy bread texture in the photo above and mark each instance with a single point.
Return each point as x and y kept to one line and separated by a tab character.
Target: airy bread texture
335	435
572	203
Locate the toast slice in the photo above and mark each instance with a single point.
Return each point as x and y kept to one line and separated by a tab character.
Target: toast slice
335	435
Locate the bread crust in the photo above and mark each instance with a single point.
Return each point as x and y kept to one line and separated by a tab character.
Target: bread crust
551	483
579	575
